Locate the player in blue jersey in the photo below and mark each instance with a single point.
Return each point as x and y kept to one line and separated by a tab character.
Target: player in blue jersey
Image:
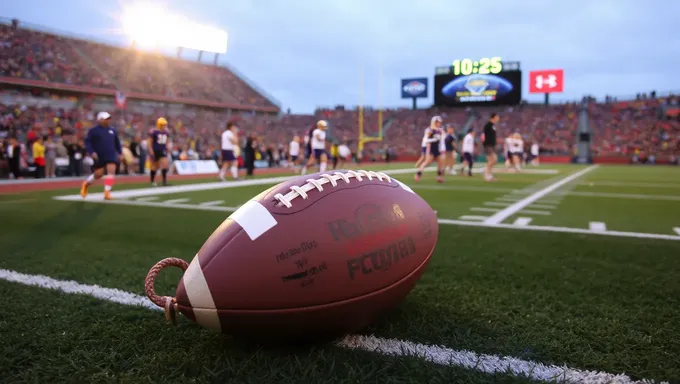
434	137
450	150
158	140
103	145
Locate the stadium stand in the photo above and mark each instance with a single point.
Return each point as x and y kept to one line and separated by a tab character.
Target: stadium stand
53	85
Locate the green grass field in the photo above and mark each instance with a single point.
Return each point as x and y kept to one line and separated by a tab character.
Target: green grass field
573	267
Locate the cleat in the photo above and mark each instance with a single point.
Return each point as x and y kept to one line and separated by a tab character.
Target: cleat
107	195
83	189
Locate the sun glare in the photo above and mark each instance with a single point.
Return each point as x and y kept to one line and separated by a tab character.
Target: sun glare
151	25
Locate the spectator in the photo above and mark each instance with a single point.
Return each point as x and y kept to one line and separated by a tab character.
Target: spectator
50	157
39	157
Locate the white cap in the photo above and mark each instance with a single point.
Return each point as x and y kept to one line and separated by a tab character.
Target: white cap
103	116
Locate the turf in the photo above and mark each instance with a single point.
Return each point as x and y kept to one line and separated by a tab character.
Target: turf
588	301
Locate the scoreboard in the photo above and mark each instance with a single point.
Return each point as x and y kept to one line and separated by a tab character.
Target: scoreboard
487	81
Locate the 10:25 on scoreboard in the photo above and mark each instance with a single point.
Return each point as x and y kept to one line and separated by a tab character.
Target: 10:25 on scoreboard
483	66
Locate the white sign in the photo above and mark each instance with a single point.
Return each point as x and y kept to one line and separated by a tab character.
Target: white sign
195	167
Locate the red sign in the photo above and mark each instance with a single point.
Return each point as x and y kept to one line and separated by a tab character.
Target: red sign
546	81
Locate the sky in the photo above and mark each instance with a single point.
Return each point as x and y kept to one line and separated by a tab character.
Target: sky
310	53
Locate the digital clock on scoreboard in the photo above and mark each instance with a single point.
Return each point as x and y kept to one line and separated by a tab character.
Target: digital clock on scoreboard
483	66
487	81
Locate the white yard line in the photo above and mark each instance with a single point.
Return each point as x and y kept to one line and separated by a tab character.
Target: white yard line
596	183
622	196
543	228
518	206
497	204
211	203
472	217
149	198
441	221
490	364
521	221
204	187
175	201
513	199
597	226
481	209
534	212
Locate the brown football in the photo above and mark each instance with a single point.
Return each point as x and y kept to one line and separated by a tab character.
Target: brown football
314	257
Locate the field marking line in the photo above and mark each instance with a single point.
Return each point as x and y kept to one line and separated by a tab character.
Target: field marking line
622	195
625	184
510	199
150	198
544	228
597	226
175	201
534	212
521	221
472	217
441	221
211	203
460	188
481	209
206	186
518	206
490	364
497	203
677	230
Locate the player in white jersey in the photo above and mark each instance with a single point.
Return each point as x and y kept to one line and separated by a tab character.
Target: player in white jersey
435	138
294	152
533	154
468	152
507	150
517	150
423	147
229	147
318	146
344	154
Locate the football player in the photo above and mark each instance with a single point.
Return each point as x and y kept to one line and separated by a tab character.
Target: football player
158	152
229	145
294	152
517	150
490	145
450	151
318	146
507	150
103	145
423	148
468	152
434	141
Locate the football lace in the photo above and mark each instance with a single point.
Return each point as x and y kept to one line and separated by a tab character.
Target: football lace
326	178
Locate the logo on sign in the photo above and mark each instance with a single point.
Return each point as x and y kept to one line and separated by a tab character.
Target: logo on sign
414	88
549	81
546	81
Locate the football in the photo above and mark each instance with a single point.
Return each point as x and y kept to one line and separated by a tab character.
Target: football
317	256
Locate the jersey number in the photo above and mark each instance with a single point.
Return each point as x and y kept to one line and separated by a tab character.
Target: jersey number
162	139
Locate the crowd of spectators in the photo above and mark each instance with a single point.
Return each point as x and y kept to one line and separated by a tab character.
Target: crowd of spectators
637	128
36	55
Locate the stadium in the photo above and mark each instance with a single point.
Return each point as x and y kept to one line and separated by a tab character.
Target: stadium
557	264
